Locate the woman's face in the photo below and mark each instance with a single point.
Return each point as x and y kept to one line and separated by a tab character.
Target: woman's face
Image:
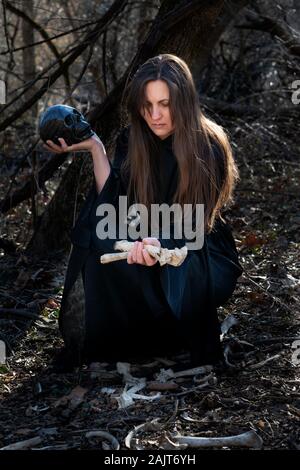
157	108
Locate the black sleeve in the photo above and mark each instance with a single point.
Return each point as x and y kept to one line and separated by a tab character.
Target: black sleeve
81	232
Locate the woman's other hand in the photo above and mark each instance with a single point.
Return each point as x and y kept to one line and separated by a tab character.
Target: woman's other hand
138	254
88	144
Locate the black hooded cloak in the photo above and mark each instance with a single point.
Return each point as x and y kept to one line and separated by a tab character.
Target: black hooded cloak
136	310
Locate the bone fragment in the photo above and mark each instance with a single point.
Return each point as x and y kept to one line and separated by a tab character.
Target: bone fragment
131	438
105	435
248	439
166	374
162	255
27	444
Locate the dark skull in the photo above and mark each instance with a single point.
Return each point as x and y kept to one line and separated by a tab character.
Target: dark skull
66	122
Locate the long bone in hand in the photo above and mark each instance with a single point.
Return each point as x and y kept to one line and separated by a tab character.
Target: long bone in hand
162	255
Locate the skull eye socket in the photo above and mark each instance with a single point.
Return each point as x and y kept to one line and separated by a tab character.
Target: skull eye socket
77	115
69	120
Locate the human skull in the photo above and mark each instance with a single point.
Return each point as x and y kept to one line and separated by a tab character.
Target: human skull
66	122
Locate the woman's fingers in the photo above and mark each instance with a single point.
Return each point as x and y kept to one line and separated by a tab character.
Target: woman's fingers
139	255
132	255
85	145
50	149
63	144
54	147
151	241
149	260
62	148
134	252
129	257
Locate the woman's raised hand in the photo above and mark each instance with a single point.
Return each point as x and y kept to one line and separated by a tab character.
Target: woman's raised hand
88	144
139	255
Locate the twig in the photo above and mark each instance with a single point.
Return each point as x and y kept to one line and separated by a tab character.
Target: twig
258	365
276	340
276	299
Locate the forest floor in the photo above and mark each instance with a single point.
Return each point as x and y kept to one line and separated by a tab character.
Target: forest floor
258	391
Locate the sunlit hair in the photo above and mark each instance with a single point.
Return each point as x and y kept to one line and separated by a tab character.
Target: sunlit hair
207	171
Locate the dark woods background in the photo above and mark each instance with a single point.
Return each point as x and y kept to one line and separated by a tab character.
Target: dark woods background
244	56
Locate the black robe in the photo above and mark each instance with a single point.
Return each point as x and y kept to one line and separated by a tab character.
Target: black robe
136	310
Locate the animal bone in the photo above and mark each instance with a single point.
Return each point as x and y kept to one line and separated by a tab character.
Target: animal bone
162	255
248	439
131	438
105	435
165	374
34	441
123	368
229	322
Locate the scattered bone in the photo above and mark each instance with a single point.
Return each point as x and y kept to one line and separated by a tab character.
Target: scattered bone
188	418
166	443
131	439
248	439
108	390
126	398
74	399
165	374
106	435
210	379
228	323
129	395
163	255
123	368
21	445
54	447
97	371
162	387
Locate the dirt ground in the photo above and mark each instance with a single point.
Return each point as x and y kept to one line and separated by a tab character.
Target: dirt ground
147	407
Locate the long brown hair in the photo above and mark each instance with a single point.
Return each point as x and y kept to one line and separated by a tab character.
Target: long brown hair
206	167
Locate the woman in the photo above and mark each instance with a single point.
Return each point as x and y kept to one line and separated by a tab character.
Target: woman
170	153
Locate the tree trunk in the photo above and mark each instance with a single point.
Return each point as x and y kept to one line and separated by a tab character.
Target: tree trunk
190	33
28	54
